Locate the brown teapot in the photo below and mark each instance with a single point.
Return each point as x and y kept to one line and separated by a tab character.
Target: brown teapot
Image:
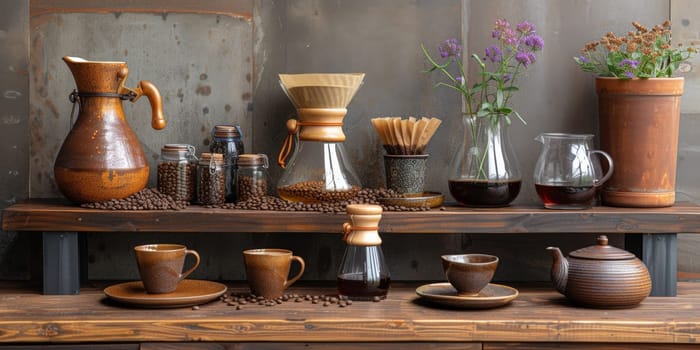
601	276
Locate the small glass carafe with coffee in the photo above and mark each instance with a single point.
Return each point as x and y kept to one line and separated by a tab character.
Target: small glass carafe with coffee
363	275
567	176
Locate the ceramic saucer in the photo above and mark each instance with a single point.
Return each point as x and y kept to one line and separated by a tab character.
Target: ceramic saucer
425	199
188	293
493	295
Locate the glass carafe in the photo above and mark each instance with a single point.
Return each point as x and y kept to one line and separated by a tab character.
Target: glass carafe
363	275
319	169
566	175
484	171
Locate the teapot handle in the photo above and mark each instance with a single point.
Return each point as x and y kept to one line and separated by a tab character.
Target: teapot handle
611	167
147	88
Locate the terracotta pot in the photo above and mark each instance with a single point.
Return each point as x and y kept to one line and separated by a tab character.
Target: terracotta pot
639	121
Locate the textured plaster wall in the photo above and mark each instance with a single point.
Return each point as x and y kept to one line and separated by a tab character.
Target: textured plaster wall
218	63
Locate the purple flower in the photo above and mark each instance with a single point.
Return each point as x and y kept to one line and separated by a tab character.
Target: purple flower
502	22
628	74
531	56
494	53
510	37
630	63
502	31
523	58
450	48
583	59
525	27
534	41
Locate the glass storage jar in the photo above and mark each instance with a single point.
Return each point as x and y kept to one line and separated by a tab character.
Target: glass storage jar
211	179
253	178
228	140
177	171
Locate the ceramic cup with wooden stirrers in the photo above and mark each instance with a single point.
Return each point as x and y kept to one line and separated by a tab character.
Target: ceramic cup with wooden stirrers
405	141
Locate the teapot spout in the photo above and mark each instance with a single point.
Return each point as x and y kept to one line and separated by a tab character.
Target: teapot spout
560	269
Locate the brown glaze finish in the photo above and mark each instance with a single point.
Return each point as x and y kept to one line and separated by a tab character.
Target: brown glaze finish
160	266
102	158
188	293
639	122
267	271
469	273
601	276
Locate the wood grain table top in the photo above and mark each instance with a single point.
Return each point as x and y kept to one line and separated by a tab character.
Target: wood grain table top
539	314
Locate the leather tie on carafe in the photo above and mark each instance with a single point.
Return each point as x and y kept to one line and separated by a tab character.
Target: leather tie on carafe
293	127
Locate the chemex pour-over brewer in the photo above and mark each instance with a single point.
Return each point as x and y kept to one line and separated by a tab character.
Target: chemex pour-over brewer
319	170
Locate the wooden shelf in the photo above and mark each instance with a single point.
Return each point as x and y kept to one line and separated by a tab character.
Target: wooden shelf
650	233
56	215
538	315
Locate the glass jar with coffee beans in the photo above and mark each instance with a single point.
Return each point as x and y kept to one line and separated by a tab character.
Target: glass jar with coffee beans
228	140
253	177
177	171
211	179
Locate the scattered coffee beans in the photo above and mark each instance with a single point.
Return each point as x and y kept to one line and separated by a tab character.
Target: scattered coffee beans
240	299
152	199
146	199
363	196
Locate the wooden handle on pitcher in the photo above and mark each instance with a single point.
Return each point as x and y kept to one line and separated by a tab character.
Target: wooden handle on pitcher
147	88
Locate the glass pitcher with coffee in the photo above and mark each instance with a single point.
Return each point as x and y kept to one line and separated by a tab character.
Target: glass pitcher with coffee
566	175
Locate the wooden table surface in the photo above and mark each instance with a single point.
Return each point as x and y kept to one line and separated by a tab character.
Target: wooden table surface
538	315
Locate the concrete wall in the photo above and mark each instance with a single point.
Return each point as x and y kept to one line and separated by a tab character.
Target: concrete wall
218	63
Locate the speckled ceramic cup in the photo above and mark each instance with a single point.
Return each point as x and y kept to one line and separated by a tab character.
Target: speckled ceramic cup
160	266
469	273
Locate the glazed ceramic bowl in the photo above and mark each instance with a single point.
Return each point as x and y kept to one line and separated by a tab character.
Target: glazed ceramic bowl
469	273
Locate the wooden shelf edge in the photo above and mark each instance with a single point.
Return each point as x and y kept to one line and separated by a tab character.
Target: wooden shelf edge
52	215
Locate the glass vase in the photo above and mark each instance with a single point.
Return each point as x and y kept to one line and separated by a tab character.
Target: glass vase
485	171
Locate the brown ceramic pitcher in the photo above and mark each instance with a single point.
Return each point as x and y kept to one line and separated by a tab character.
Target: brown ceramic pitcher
101	158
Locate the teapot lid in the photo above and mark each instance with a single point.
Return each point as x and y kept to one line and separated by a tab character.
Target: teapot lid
602	251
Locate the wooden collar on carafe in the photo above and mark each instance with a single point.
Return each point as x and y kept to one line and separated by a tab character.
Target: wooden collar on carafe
314	124
363	231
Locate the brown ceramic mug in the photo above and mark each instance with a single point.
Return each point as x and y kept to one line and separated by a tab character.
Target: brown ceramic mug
267	271
469	273
160	266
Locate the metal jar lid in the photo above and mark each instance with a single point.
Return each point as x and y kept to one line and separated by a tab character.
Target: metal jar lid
252	160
